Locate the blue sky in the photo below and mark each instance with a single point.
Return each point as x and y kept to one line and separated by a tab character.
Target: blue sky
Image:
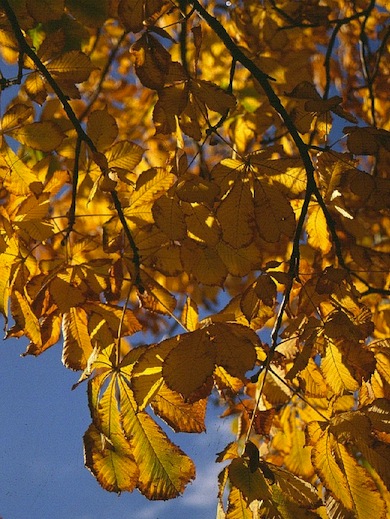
42	473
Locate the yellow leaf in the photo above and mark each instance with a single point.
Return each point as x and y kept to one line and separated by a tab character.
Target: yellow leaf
124	155
193	189
77	346
190	365
50	328
298	459
324	462
113	467
214	97
201	223
273	213
317	229
238	507
178	414
367	501
18	178
65	294
111	316
313	380
73	66
15	117
44	136
102	129
150	186
336	373
252	485
239	262
164	469
235	347
236	215
25	318
169	217
167	260
203	263
295	489
147	372
190	316
155	297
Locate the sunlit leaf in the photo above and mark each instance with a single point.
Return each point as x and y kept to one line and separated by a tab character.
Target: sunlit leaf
164	469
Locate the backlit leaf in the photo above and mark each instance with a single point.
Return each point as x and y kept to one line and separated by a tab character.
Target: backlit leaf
74	66
236	215
164	469
102	129
77	343
191	363
114	468
273	213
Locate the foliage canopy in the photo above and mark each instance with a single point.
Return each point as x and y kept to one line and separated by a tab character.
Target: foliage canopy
157	153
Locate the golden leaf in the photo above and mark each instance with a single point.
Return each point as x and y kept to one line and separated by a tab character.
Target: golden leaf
212	96
202	226
324	462
191	363
112	466
169	217
178	414
152	61
336	373
164	469
73	66
77	343
203	263
190	316
273	213
236	215
317	230
102	129
252	485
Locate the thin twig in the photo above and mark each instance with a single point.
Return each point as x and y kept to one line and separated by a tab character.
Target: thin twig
24	48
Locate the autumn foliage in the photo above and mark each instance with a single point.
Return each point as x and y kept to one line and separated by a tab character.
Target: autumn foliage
159	157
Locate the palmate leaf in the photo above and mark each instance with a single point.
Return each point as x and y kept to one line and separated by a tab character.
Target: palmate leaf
190	365
147	372
203	263
317	229
108	454
367	501
324	462
73	66
181	416
336	373
238	507
114	468
43	136
236	215
202	225
273	213
164	469
77	346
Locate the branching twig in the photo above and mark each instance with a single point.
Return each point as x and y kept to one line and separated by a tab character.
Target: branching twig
24	48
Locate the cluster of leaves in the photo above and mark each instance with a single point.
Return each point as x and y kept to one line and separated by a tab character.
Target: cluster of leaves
166	152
